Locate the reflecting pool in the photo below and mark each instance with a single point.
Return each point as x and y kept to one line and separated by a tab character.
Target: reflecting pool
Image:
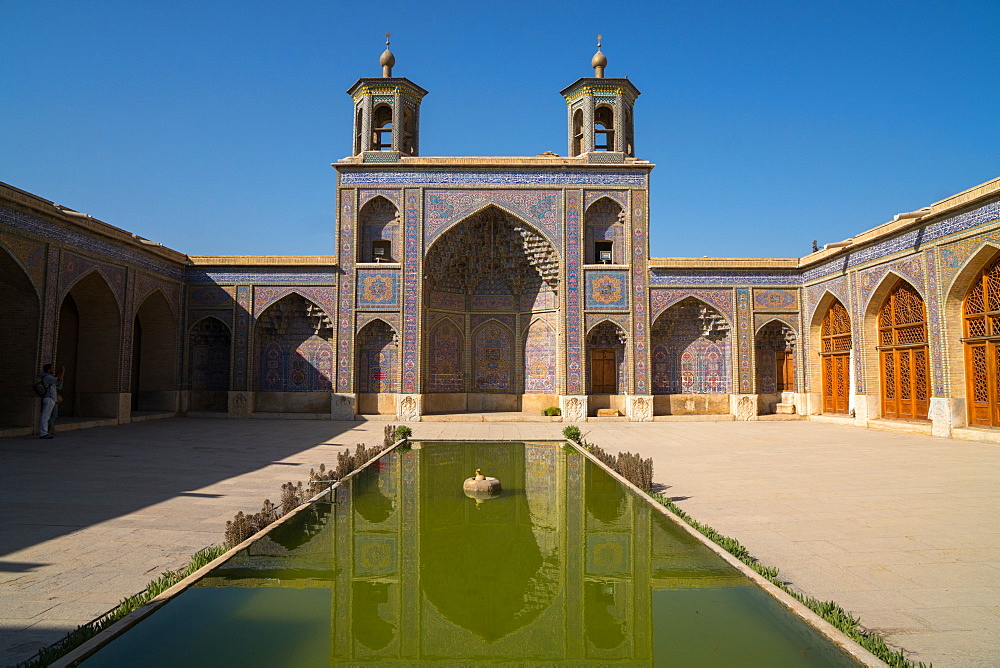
567	566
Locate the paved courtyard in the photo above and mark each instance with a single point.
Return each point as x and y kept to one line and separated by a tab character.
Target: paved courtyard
901	530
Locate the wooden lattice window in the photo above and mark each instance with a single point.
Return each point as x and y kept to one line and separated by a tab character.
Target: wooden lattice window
981	315
835	362
903	353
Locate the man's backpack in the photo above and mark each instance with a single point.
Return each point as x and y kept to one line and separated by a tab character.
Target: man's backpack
39	386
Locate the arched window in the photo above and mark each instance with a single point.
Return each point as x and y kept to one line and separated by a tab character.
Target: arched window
902	335
382	128
409	131
578	132
981	315
358	133
604	129
835	358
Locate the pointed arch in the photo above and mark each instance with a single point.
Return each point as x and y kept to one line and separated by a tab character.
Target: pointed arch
691	349
294	349
539	357
781	320
481	207
831	335
19	362
153	380
87	276
90	347
380	231
445	343
776	342
377	355
980	318
662	304
209	364
604	231
607	358
886	285
896	320
5	247
493	357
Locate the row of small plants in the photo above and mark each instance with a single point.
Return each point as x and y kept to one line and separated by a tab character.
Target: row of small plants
640	473
238	529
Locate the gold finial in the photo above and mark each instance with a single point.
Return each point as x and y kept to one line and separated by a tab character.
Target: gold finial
599	61
387	60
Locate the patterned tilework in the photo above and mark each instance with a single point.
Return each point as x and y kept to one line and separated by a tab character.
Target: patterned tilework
935	338
538	301
394	196
955	255
660	299
493	358
743	323
688	363
761	319
838	287
223	315
591	196
345	326
411	290
688	277
296	362
261	275
540	208
623	320
29	254
640	251
49	313
70	237
507	319
378	288
378	359
74	267
856	308
210	344
210	296
145	285
325	298
776	300
242	343
911	268
392	319
540	359
582	177
444	352
606	289
492	302
447	300
920	236
126	331
574	339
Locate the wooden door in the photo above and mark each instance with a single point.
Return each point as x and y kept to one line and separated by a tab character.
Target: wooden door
981	310
784	368
903	354
603	371
836	382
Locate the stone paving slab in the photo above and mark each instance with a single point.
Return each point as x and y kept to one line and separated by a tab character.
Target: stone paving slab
902	530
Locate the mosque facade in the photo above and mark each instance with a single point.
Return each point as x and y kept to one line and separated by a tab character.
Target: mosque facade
505	284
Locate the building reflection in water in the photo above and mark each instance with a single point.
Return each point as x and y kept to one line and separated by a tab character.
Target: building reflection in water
561	567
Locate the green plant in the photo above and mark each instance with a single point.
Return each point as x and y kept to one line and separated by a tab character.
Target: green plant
402	431
572	433
552	410
389	435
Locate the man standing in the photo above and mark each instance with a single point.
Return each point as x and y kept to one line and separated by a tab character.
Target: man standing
51	385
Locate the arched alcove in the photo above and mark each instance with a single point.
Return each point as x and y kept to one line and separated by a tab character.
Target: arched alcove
377	363
89	346
607	367
379	223
154	356
834	341
775	347
899	329
19	363
293	357
210	351
604	232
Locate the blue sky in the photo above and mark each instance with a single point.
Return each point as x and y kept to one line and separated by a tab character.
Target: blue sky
210	126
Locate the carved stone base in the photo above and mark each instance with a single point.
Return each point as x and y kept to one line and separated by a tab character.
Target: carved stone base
409	407
945	414
125	408
240	404
574	408
639	408
743	406
787	404
343	406
866	407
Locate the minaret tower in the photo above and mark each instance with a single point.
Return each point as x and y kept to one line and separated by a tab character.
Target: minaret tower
386	114
600	114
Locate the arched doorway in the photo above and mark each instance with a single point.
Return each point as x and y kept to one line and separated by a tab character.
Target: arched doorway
775	362
294	357
981	323
154	356
89	346
835	358
903	354
378	368
486	279
210	346
19	363
607	368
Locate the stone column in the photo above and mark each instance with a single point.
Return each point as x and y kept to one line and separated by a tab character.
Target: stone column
343	406
866	407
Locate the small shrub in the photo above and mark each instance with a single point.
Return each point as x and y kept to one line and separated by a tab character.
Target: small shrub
319	480
292	496
389	435
238	530
572	433
552	410
402	431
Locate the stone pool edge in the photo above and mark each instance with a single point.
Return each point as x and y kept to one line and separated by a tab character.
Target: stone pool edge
92	645
825	628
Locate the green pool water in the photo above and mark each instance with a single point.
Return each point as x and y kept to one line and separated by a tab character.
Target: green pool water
399	567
